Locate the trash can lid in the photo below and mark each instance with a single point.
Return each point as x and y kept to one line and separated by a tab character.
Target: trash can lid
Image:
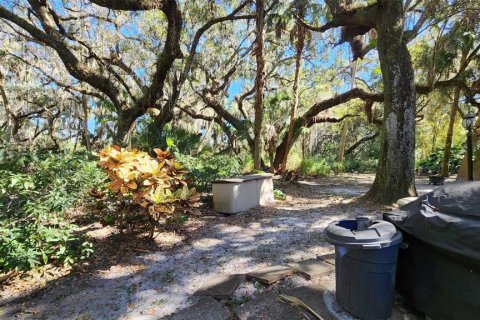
379	234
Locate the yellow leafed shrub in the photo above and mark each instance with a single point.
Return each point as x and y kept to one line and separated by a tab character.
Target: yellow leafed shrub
155	183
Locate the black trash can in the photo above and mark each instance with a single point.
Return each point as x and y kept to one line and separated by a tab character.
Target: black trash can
365	258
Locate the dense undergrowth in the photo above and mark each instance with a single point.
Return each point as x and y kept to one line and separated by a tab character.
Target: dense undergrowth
36	190
207	167
318	165
433	163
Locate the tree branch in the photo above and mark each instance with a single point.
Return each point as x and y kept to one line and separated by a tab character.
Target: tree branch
65	86
360	142
427	13
217	120
53	39
326	119
170	53
196	39
345	16
355	93
131	5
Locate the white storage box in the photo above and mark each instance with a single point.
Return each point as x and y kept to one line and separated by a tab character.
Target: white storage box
242	193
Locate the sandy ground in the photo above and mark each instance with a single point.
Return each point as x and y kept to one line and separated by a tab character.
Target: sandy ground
152	284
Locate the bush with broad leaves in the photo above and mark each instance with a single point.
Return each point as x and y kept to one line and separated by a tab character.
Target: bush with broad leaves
156	184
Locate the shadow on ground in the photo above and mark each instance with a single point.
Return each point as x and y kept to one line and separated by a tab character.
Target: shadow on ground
152	285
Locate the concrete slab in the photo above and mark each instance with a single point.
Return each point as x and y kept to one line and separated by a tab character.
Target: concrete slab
270	274
267	307
222	286
312	296
206	308
328	282
329	258
312	268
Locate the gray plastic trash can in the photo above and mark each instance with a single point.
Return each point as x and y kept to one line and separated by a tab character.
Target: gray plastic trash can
365	259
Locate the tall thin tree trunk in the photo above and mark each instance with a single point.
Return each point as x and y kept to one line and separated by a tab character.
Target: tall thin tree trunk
434	133
448	141
298	66
259	84
343	141
395	176
304	146
453	113
86	135
77	136
215	145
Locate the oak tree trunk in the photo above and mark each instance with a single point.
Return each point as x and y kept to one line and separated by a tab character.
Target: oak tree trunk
280	153
124	124
395	177
259	83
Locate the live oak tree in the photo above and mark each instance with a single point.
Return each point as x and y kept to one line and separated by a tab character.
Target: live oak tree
131	86
31	113
395	176
41	23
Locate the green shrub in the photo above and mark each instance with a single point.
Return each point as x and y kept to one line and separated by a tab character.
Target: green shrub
279	195
433	163
294	160
319	166
337	167
148	134
360	165
36	188
206	167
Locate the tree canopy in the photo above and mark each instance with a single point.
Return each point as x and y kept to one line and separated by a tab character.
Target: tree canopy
272	79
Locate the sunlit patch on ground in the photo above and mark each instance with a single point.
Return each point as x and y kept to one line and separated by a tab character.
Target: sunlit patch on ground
159	280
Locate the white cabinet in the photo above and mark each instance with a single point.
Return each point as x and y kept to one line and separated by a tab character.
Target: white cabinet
242	193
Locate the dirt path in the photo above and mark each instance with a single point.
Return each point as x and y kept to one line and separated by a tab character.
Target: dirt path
152	285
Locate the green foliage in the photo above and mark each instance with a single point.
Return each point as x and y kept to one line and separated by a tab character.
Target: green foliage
206	167
433	163
319	166
36	190
170	137
279	195
294	160
361	165
175	221
364	159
